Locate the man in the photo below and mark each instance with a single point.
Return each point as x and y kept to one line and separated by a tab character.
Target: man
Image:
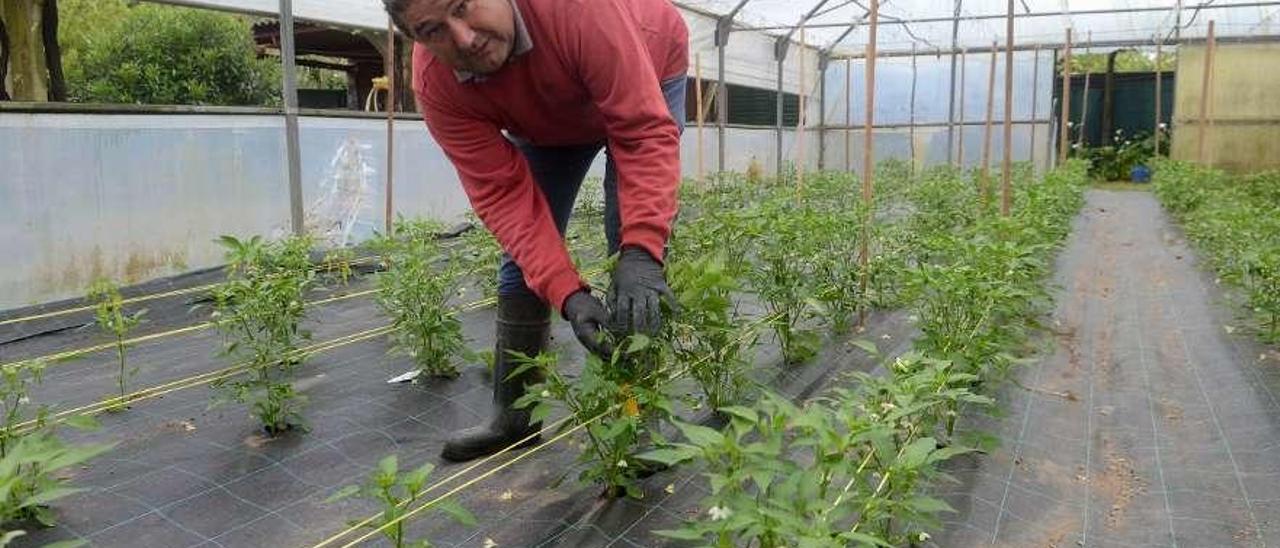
522	95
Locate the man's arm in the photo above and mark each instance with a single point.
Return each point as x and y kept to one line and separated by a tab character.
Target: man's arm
643	138
502	192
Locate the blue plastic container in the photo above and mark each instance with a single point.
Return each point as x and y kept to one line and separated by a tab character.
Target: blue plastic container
1140	174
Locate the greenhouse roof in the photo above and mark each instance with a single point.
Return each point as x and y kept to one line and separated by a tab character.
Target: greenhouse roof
839	26
927	24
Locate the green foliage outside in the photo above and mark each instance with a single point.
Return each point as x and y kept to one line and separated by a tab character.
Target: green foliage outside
118	52
1126	61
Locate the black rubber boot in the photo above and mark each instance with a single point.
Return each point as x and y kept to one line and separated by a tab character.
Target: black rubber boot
524	325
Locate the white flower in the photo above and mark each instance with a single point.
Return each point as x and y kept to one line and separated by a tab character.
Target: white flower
1127	142
1163	125
545	394
717	513
622	464
1071	124
924	537
887	406
489	543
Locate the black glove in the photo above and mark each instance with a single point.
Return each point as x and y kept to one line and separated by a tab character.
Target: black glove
639	285
587	316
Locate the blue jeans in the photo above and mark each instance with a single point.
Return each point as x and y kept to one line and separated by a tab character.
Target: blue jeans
559	172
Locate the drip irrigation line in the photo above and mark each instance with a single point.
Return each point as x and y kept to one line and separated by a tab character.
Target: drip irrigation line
76	353
357	525
151	297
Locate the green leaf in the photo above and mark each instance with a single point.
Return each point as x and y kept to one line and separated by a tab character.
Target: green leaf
388	465
45	497
9	536
81	422
864	539
744	413
669	456
915	455
457	512
680	534
638	342
342	494
700	435
867	346
61	544
929	505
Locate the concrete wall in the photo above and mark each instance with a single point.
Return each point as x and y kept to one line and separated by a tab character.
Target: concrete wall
1245	132
142	196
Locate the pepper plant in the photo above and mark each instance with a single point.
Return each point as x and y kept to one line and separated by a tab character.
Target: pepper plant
111	317
620	399
33	458
259	310
398	493
710	335
416	290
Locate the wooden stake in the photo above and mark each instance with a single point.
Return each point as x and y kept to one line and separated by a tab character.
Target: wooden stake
1159	78
390	61
868	166
697	91
1064	132
1206	87
848	115
1006	192
960	136
986	132
800	159
911	131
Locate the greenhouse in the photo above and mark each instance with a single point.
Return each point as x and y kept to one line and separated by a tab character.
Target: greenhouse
617	273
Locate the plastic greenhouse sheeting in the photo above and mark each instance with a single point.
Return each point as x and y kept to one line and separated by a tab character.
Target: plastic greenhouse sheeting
1249	20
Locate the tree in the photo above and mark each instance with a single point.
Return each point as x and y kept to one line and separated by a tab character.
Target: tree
1126	61
147	54
30	67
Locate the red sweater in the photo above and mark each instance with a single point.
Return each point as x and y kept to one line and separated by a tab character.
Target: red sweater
592	77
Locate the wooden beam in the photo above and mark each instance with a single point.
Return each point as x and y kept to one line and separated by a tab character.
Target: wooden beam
868	156
1035	97
848	115
911	131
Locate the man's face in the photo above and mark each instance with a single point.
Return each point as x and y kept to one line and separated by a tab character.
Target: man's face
475	36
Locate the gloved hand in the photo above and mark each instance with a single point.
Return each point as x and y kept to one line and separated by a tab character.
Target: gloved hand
587	316
639	285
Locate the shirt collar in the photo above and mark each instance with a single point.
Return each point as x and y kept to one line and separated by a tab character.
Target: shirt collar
523	43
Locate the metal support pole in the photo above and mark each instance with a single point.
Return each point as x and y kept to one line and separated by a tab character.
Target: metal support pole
964	62
1159	99
986	131
823	63
697	91
1064	131
951	106
292	145
1082	138
1035	97
390	63
848	115
1006	189
779	112
911	131
800	121
722	92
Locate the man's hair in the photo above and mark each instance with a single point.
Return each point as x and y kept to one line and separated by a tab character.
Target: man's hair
396	9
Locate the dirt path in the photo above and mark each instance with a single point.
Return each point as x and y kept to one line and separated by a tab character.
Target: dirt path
1148	424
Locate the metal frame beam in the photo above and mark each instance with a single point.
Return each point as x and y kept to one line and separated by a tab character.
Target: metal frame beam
1027	15
1031	46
